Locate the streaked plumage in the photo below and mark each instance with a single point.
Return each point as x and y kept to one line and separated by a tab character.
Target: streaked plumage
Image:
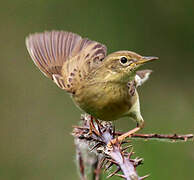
100	85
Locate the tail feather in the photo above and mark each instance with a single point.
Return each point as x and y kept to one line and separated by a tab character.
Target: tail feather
142	76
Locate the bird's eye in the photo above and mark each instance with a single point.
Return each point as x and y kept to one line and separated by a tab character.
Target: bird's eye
123	60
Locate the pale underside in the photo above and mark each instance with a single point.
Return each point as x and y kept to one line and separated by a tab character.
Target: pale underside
67	59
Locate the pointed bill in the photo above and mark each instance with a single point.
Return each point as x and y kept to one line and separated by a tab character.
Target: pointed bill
146	59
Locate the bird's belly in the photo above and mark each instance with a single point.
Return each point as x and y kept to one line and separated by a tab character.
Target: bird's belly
105	102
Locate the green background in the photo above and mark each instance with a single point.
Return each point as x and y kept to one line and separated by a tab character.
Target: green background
36	117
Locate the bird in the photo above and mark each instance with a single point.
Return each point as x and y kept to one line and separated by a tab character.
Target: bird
104	86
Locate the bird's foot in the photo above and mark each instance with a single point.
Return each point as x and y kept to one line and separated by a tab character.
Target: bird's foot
122	137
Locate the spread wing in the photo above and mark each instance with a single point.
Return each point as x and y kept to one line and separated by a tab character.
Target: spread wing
63	56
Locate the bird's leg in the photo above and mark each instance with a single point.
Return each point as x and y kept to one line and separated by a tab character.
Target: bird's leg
92	126
120	138
123	136
98	123
136	115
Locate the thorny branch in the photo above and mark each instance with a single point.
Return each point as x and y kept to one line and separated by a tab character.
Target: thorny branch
93	154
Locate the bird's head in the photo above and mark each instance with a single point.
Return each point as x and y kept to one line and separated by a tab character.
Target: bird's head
123	64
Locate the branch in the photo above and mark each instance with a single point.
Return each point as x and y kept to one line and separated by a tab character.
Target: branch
173	137
109	157
93	154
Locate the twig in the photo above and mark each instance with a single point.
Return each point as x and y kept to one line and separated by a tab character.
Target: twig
97	168
81	165
173	137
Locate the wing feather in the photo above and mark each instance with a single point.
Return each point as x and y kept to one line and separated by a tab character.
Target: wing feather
63	56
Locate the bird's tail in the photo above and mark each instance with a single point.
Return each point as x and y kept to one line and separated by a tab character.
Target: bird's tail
142	76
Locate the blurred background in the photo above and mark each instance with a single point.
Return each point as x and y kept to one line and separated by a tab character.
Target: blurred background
36	117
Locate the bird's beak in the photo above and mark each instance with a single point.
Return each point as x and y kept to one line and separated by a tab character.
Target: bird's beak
146	59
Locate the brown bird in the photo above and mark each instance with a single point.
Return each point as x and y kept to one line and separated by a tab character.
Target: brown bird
103	86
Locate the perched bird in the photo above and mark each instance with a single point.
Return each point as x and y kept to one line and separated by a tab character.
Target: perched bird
103	86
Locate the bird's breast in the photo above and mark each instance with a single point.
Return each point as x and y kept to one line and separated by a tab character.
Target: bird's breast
106	101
